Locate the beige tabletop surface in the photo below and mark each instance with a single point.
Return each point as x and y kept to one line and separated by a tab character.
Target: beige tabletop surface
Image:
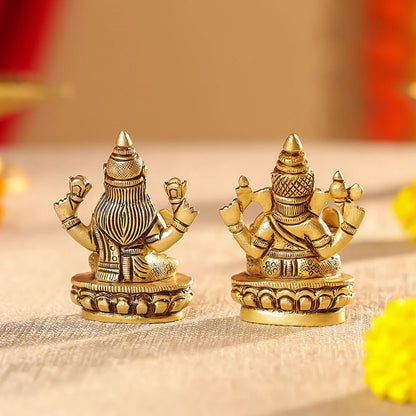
54	362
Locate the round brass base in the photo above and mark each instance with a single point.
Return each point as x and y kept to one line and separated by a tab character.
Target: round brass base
262	316
130	319
132	302
293	301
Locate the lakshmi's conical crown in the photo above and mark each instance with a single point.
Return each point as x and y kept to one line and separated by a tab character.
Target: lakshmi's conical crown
124	166
292	177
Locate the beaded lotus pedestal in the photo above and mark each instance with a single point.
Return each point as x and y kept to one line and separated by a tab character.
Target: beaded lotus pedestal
297	301
160	301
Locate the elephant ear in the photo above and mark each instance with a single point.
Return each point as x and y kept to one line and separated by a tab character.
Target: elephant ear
332	218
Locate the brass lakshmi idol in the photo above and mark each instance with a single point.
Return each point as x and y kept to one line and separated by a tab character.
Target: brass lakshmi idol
130	281
293	270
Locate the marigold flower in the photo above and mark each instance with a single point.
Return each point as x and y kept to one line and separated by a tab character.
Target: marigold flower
404	206
390	346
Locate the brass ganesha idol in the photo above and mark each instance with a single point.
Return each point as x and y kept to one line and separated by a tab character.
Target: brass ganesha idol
131	280
293	272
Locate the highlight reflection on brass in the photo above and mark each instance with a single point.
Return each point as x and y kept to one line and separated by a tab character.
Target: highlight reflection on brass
130	279
293	268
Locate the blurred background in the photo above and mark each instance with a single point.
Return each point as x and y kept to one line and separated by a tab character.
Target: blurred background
207	70
208	90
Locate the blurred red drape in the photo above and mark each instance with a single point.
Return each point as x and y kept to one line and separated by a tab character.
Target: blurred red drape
387	57
24	30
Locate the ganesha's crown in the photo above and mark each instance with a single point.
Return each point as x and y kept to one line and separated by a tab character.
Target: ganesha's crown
292	179
124	166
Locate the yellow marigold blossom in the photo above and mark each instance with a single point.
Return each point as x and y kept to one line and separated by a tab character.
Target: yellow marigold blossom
390	346
404	206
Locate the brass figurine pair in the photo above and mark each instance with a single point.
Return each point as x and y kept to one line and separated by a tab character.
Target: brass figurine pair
293	270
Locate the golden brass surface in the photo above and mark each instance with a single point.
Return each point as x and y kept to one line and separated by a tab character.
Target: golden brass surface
301	302
293	268
130	319
260	316
130	279
160	301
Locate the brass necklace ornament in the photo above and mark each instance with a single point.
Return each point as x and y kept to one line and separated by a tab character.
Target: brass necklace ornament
293	272
130	280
